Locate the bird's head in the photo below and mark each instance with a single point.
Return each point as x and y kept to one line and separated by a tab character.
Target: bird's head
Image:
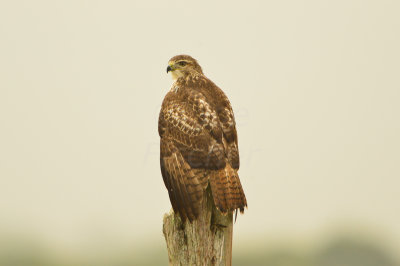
182	66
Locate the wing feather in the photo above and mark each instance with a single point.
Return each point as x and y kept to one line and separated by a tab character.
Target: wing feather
185	186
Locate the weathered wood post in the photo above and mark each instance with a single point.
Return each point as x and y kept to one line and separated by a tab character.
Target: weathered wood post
205	241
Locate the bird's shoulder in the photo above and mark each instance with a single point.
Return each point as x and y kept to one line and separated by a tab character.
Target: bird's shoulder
197	88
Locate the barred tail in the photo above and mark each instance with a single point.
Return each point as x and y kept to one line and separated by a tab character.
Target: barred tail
227	191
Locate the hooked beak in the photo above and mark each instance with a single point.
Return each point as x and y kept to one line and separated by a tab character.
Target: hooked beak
169	68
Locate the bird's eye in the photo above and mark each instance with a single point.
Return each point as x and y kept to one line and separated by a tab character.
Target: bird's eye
182	63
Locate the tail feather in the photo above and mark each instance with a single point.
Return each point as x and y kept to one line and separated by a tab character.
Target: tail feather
218	192
227	190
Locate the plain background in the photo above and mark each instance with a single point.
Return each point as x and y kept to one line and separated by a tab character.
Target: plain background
314	86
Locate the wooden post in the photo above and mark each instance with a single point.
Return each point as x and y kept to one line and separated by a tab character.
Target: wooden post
205	241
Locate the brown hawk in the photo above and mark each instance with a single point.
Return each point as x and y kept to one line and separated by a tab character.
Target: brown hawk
199	145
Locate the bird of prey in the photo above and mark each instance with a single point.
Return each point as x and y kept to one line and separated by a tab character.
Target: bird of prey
199	145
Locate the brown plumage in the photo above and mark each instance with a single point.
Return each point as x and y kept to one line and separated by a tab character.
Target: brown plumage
199	145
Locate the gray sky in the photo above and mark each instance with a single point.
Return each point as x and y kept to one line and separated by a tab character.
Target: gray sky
314	86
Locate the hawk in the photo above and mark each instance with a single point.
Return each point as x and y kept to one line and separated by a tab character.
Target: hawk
199	145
